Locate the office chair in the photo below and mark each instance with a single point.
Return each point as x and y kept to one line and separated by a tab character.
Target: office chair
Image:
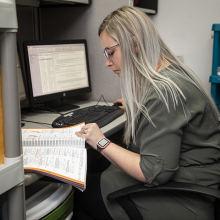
122	196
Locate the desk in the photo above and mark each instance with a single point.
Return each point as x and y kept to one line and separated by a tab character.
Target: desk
49	117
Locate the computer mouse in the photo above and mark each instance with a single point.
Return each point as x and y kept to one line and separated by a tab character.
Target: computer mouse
117	104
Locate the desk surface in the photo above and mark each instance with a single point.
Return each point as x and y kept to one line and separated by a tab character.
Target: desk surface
48	117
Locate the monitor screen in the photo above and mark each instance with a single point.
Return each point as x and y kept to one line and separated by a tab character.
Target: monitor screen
23	95
56	69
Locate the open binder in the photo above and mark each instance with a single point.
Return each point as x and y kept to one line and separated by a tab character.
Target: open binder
57	153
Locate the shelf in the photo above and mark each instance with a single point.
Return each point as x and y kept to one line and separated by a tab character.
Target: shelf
38	3
43	2
11	173
30	3
148	11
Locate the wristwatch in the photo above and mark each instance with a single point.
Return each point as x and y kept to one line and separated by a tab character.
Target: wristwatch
102	143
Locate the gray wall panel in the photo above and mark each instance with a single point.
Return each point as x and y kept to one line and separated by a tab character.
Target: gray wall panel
83	22
25	26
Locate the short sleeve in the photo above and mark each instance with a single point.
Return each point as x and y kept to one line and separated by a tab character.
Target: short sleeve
160	144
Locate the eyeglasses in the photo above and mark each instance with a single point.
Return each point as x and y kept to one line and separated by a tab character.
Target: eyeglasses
107	53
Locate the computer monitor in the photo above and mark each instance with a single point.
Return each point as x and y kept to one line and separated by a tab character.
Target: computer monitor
23	92
56	70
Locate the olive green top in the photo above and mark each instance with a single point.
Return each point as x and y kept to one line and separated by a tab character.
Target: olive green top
183	146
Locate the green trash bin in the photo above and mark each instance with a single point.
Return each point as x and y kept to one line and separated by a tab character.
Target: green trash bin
49	201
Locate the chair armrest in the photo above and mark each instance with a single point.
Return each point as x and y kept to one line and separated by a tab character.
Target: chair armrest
122	195
171	186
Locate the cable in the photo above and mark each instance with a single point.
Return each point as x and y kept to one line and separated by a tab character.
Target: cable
98	101
104	100
52	110
58	112
36	122
96	104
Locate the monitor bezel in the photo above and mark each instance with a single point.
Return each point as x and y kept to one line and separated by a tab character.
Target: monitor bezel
58	95
25	102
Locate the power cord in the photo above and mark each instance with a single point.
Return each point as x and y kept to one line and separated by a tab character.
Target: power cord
36	122
50	109
104	100
96	104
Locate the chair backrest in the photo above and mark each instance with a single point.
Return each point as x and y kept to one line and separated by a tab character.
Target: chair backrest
217	207
122	195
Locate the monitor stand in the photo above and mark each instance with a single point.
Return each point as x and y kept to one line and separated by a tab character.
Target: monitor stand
59	106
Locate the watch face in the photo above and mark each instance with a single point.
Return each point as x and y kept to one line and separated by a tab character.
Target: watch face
103	142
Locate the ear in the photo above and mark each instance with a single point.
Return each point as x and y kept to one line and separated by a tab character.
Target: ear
134	38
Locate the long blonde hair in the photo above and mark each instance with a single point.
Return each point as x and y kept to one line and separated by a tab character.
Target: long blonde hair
133	29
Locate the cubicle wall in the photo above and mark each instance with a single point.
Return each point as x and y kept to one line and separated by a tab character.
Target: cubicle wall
83	22
25	26
2	150
80	22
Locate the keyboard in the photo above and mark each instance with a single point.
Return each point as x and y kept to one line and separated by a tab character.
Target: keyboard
99	114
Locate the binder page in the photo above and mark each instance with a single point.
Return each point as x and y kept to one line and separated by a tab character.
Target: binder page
57	153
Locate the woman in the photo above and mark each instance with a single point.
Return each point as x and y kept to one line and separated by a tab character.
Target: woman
172	130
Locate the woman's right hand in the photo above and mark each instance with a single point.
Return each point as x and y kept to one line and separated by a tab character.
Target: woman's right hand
121	101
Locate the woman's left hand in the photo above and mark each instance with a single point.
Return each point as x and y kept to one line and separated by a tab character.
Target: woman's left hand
91	133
